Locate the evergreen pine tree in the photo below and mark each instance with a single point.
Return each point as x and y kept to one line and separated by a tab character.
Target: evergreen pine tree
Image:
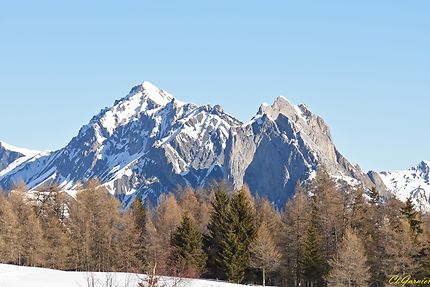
375	198
374	241
139	216
312	262
235	252
411	215
217	230
187	256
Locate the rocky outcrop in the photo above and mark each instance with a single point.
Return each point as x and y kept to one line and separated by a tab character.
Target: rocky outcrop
149	143
413	183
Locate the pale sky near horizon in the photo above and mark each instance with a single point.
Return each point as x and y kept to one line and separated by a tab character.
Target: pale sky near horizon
364	66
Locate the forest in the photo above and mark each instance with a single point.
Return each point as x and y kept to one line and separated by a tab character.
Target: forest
328	234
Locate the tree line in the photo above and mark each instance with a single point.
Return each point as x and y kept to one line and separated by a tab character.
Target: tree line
328	234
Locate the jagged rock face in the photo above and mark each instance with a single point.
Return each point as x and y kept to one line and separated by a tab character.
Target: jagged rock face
7	157
413	183
281	146
149	143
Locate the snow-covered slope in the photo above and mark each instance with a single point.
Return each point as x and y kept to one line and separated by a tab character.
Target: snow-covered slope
18	276
413	183
11	156
148	142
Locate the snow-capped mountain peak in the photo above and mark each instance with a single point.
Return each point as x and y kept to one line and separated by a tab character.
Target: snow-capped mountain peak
23	151
414	183
11	157
424	167
148	143
144	98
147	90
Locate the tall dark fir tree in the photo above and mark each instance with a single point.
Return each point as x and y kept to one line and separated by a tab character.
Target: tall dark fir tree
235	254
409	212
187	256
313	263
217	230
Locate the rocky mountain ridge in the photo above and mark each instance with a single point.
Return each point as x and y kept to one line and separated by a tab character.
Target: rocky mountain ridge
149	142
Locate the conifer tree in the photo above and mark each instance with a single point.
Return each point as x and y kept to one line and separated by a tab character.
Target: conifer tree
332	211
188	202
264	251
167	218
9	231
374	239
296	219
375	198
154	249
217	230
127	244
359	212
139	217
51	208
267	214
197	206
349	268
30	235
401	248
95	221
312	262
187	256
409	212
235	253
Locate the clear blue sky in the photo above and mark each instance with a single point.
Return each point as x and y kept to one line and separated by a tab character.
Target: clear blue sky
364	66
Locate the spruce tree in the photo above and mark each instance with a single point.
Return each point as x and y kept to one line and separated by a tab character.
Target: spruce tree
375	198
375	241
235	252
312	262
139	217
217	230
408	211
187	255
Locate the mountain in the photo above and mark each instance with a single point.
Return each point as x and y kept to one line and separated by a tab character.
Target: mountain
149	142
414	183
11	156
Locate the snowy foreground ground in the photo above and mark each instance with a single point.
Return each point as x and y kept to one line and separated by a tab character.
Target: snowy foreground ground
18	276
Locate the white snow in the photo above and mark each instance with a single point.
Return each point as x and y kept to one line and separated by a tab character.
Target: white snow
18	276
24	151
413	183
134	103
300	113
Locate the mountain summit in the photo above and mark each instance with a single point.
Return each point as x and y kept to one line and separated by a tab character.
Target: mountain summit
148	143
413	183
